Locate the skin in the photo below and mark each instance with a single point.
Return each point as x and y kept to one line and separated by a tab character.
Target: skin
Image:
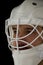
24	30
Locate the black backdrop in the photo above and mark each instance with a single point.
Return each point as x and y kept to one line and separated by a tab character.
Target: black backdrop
5	9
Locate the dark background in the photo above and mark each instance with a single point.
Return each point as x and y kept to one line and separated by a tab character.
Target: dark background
5	9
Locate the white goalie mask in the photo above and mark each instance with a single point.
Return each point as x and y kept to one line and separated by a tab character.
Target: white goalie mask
24	30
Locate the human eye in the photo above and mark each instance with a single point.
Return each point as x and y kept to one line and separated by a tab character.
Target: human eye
28	30
14	30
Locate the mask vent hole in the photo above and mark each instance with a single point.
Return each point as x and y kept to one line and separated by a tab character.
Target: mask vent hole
10	47
35	4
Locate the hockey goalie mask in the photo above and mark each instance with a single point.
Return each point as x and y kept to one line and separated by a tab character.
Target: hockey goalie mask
24	31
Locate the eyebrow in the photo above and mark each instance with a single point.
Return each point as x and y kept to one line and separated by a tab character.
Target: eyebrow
14	28
29	28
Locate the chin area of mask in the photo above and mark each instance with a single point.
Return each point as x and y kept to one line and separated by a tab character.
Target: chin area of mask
28	57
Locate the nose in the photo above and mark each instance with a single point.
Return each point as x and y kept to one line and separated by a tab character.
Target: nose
20	34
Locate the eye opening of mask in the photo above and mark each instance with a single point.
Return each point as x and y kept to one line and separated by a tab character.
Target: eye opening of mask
28	31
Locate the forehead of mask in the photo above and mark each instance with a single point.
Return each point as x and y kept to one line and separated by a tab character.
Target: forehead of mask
27	11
